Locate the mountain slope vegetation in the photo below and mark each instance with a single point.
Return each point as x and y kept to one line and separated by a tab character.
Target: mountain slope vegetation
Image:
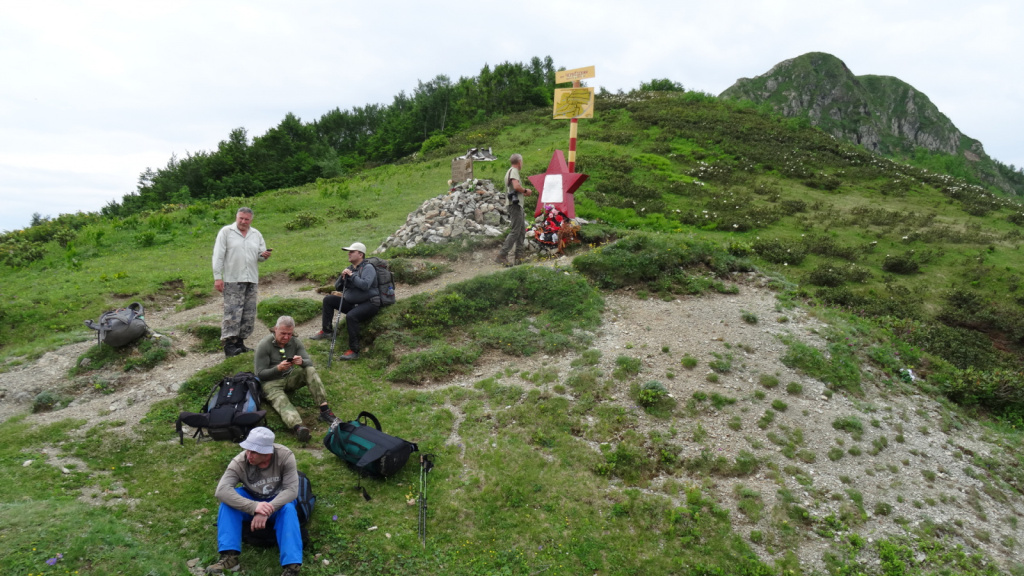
881	113
556	469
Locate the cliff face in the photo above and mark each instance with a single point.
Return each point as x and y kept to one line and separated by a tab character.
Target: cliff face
881	113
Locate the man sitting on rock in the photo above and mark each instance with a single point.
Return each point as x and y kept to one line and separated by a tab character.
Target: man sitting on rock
355	295
283	365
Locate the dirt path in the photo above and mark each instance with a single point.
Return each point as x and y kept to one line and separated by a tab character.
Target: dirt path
920	471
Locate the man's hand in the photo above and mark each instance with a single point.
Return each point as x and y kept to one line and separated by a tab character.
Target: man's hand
259	522
336	293
265	254
264	508
285	365
218	285
346	272
297	361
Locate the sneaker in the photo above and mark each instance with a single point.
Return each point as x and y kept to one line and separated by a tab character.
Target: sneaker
291	570
349	355
302	433
228	561
322	335
328	416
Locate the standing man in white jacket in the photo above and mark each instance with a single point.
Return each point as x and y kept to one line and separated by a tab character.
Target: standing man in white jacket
236	253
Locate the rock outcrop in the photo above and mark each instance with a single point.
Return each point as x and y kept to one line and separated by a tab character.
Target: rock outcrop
881	113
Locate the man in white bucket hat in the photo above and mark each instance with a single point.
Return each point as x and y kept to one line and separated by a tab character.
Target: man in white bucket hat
266	499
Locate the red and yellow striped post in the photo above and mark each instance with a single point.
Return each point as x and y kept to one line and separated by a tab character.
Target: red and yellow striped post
574	103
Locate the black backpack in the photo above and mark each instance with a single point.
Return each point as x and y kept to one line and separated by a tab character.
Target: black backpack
385	281
120	327
368	448
231	411
304	504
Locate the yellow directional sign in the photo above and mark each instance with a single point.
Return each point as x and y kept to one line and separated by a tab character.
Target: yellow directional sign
574	103
575	74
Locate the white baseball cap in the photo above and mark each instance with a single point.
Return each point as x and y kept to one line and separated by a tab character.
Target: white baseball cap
259	440
357	246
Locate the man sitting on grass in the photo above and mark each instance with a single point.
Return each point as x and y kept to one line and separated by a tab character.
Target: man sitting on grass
283	365
266	499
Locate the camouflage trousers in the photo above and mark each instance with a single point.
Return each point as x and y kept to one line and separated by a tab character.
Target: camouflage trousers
276	392
516	235
239	310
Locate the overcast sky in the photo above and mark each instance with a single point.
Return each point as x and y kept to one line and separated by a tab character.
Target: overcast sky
93	93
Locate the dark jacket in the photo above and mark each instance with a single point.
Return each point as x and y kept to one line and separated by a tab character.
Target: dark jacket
361	285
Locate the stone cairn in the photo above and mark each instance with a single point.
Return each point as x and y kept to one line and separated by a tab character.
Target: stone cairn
470	208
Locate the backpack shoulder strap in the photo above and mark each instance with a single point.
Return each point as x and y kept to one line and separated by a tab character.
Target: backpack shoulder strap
376	423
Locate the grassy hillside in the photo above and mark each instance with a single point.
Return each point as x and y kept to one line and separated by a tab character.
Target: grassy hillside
911	268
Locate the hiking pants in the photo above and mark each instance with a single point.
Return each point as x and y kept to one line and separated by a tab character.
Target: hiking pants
239	309
276	392
354	314
517	232
284	522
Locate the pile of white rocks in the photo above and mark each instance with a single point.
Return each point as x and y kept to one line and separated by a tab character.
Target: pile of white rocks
470	208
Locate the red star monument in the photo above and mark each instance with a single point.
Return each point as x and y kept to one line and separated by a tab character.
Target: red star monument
557	185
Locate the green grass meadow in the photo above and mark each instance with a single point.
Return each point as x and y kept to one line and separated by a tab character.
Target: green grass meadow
542	473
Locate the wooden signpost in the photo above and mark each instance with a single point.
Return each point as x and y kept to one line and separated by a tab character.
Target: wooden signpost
574	103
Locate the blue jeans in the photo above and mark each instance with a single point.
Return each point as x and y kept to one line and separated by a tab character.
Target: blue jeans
284	522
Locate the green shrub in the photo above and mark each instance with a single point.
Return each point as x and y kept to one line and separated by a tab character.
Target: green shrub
657	263
626	366
901	263
688	362
722	363
794	388
304	220
779	251
438	361
719	401
45	401
850	424
779	405
435	142
650	393
768	381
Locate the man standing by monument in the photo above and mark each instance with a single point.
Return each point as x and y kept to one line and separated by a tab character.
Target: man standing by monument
237	251
514	194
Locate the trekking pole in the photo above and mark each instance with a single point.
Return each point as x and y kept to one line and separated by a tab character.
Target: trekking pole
426	464
337	322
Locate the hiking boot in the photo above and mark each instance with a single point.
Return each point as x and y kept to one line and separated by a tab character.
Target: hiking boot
349	355
231	349
242	348
291	570
302	433
499	259
322	335
328	416
228	562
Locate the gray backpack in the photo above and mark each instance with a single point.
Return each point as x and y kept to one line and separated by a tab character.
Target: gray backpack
120	327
